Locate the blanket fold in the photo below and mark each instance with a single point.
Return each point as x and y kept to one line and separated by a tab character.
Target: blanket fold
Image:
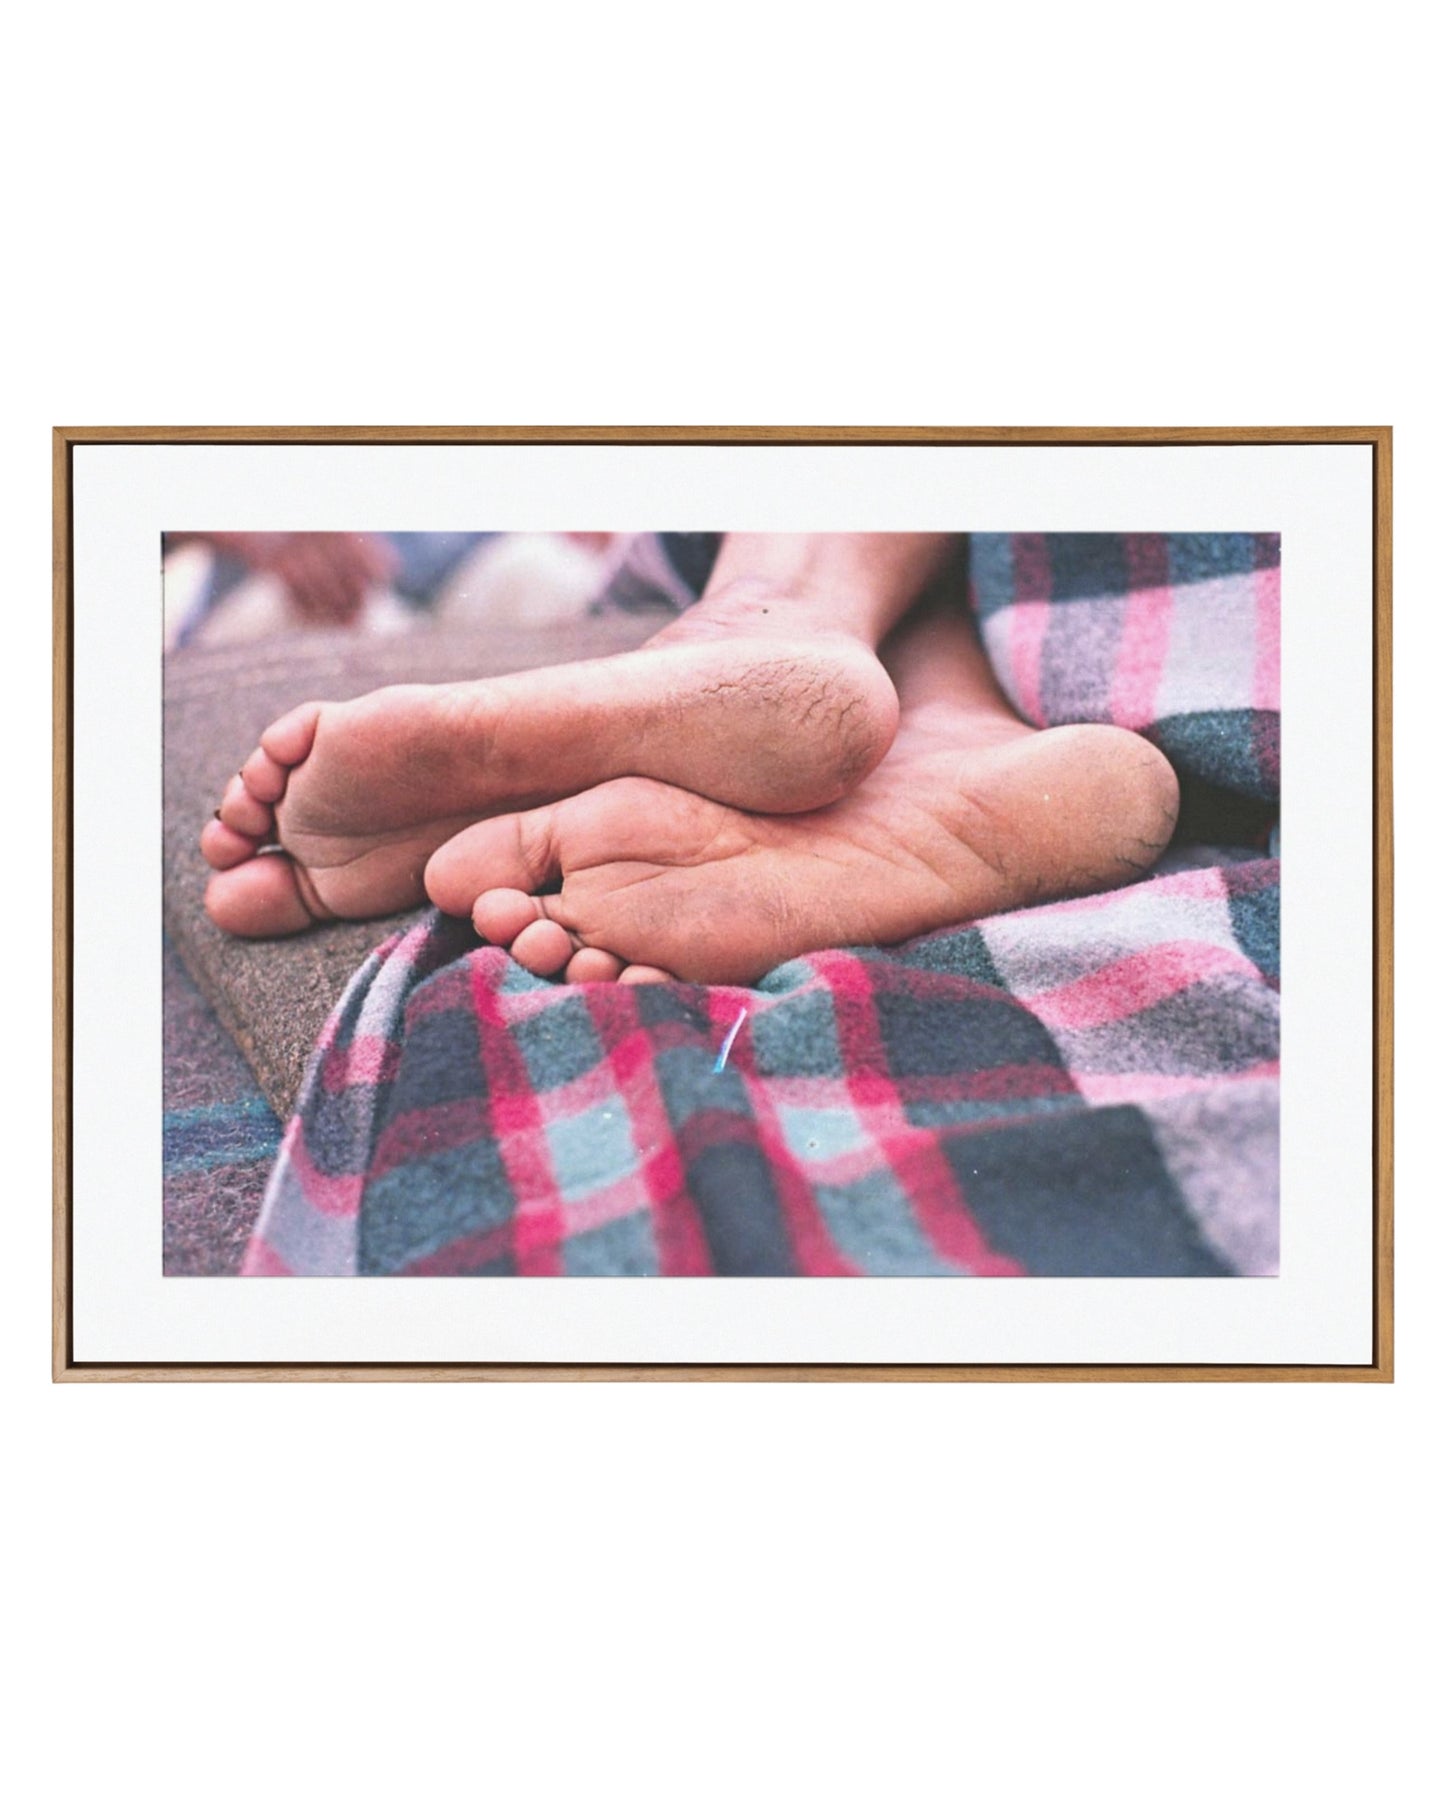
1084	1088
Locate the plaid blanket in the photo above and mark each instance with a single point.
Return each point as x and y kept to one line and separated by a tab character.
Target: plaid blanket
1175	635
1083	1088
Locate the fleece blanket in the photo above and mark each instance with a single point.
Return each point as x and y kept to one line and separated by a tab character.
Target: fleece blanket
1083	1088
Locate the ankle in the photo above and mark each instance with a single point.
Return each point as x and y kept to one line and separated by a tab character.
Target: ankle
749	607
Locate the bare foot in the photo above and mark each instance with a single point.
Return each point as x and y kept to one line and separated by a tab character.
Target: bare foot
766	714
970	813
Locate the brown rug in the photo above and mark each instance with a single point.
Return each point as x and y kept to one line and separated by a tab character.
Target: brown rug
274	996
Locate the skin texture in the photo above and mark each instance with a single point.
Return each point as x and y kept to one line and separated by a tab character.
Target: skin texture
753	784
768	696
970	813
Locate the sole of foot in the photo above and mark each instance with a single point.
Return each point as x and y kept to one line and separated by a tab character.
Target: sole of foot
637	881
357	795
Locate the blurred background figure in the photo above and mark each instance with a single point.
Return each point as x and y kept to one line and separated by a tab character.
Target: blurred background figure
527	579
221	588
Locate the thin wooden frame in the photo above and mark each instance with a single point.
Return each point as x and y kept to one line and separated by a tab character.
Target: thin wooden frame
64	439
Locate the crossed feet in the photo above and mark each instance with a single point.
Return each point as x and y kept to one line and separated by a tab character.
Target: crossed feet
726	798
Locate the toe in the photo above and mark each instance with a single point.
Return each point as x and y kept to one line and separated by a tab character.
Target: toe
592	966
264	776
258	899
223	847
645	975
499	916
544	948
512	853
244	812
288	740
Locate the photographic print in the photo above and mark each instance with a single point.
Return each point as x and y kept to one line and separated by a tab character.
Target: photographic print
723	904
963	847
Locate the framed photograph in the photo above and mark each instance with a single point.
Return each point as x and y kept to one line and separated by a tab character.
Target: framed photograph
772	885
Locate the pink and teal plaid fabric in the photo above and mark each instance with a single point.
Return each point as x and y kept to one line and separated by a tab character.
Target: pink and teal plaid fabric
1083	1088
1174	635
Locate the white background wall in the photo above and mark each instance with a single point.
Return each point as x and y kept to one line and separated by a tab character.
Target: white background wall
1113	214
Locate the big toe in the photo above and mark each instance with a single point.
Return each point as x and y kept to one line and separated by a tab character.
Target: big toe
515	853
259	899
